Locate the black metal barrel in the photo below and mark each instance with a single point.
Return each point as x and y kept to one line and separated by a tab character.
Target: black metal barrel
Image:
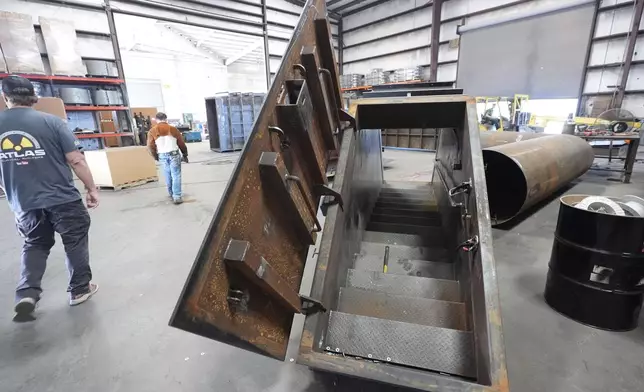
596	270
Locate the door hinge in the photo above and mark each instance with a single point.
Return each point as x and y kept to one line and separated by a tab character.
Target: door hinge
311	306
465	187
331	197
470	245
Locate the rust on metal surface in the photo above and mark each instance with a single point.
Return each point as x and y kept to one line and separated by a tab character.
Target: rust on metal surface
240	255
491	138
319	95
327	56
523	173
297	119
287	197
246	213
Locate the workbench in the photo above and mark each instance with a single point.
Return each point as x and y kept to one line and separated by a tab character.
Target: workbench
633	140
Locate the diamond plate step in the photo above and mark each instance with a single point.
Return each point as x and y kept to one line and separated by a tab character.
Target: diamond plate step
410	286
402	252
402	239
425	231
391	216
422	311
429	215
421	268
421	346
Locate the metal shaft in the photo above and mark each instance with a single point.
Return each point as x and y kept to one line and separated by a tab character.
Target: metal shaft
518	175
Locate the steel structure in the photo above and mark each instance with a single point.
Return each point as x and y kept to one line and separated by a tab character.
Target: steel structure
614	98
243	287
520	174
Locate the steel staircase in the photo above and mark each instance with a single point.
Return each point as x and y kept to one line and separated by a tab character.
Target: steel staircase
401	302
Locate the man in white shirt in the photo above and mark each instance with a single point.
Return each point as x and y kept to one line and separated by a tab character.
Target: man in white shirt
166	146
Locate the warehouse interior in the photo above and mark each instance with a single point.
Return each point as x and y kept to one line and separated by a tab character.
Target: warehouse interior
497	111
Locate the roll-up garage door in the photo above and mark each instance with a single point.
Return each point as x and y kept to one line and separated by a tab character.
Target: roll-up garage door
542	56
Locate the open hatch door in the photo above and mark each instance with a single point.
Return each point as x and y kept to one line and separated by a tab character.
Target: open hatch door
243	287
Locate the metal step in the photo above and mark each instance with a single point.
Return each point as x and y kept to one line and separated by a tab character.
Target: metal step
414	195
403	252
402	239
404	185
407	206
409	286
421	268
413	310
402	212
408	220
406	201
425	231
421	346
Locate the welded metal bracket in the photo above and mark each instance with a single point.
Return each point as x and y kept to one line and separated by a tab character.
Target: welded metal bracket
331	197
345	116
238	299
470	245
284	142
261	273
465	187
310	305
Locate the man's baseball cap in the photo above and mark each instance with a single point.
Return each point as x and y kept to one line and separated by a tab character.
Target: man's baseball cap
17	85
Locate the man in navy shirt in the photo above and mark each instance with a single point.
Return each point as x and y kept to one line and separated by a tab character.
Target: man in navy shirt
37	156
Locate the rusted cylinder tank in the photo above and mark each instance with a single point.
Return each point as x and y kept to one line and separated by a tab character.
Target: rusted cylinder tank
518	175
491	138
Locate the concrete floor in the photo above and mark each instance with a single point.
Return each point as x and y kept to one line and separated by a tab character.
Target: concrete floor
142	248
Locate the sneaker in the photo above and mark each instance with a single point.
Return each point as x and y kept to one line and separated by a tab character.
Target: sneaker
24	309
80	298
177	200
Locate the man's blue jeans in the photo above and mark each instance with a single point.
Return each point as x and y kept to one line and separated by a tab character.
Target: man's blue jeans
171	167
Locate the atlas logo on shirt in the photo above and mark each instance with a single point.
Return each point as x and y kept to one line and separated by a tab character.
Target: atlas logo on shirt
19	146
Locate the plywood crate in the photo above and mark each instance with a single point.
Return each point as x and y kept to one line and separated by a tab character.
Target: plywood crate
121	167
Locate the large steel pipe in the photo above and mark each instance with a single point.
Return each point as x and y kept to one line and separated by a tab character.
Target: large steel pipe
518	175
492	138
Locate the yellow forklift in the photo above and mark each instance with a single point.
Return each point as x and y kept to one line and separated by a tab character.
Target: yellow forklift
502	113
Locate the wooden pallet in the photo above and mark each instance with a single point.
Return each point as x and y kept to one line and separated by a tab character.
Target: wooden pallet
130	184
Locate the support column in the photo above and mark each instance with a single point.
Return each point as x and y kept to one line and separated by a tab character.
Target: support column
340	47
119	67
630	49
580	96
436	32
267	61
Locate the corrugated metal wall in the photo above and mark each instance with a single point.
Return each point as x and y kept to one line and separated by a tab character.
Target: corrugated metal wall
505	59
608	49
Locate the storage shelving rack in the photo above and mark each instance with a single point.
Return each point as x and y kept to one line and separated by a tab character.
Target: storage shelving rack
123	113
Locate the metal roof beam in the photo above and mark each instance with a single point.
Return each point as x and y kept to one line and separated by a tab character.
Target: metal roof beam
349	5
245	51
209	52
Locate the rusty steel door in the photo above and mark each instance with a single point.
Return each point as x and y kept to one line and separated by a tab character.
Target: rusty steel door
243	287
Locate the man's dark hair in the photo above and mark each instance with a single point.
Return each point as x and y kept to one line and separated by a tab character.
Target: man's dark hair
21	100
161	116
19	91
